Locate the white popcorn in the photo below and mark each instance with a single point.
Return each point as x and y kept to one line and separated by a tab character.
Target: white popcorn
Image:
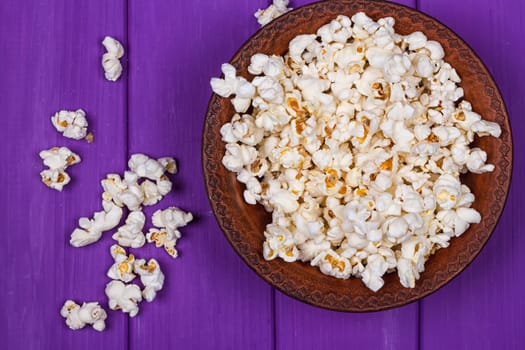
435	49
483	127
169	220
123	192
475	162
122	269
130	234
355	142
395	67
227	86
415	40
128	192
397	228
237	156
150	276
276	9
424	67
169	164
271	66
457	222
331	263
91	230
57	159
447	190
232	84
407	273
376	267
298	45
55	179
123	297
72	124
111	59
77	317
144	166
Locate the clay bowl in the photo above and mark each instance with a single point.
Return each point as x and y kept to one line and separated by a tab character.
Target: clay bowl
243	224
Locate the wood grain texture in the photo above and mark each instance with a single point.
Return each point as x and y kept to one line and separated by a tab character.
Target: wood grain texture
301	326
484	308
50	60
211	299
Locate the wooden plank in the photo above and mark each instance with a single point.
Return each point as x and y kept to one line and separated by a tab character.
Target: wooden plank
300	326
211	299
484	307
50	60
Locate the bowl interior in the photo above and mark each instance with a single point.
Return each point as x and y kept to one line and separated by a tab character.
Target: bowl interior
243	224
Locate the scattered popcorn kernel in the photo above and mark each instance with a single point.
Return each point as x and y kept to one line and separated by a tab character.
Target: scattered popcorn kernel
77	317
276	9
90	230
168	220
123	297
130	234
111	59
72	124
122	269
57	159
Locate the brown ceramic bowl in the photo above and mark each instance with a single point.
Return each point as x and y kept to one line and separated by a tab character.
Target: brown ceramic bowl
243	224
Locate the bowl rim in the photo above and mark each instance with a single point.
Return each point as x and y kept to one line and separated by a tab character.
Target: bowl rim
509	156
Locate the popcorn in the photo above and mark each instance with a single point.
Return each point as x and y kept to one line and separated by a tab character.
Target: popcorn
122	269
151	277
169	220
276	9
128	192
230	85
77	317
332	264
72	124
110	60
91	230
169	164
355	142
144	166
57	159
130	235
376	267
475	162
123	297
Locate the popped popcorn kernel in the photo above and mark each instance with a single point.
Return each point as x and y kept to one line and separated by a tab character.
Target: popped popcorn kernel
79	316
111	59
57	159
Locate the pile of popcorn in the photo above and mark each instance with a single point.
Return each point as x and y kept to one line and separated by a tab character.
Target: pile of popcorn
355	141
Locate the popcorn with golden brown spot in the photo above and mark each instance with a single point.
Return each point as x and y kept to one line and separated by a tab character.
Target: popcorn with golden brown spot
151	277
122	268
72	124
57	159
77	316
168	221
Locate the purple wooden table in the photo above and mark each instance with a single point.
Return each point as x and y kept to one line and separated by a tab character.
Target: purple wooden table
50	59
